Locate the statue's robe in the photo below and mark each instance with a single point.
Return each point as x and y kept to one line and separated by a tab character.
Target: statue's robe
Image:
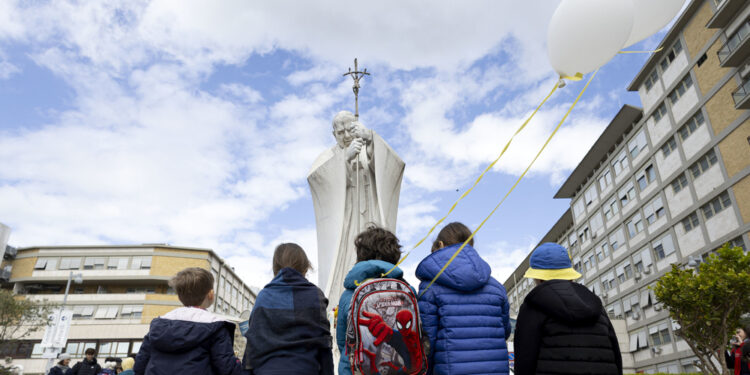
333	184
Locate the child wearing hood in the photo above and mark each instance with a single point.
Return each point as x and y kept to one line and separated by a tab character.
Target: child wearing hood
61	368
465	312
562	327
378	251
289	332
189	340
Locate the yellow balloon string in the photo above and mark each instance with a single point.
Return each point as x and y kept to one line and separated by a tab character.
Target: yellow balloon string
654	51
511	189
575	77
475	182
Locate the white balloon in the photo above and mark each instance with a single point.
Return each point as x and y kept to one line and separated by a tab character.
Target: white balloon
650	16
584	34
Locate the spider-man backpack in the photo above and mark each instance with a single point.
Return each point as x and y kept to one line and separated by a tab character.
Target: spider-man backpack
384	335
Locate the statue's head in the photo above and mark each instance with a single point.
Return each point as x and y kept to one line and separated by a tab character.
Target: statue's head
343	128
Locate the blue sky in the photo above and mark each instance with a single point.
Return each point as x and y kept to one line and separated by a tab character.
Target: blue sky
196	123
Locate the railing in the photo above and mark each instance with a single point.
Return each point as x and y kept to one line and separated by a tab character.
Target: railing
734	41
741	93
5	274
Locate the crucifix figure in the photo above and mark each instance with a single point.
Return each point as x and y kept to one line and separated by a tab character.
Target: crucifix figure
356	76
353	184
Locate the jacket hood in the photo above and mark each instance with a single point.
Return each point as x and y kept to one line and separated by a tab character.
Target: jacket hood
184	328
466	273
370	269
568	301
289	276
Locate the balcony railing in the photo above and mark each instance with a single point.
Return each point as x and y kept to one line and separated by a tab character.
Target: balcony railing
725	11
740	95
733	45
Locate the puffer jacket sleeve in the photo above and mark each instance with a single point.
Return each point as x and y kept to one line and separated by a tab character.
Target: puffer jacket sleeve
428	312
222	354
143	356
341	322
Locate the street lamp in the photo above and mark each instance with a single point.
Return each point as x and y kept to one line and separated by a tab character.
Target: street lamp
78	279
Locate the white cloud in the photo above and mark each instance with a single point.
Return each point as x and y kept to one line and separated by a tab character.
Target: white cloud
147	154
7	69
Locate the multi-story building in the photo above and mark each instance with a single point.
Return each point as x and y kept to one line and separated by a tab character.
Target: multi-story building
666	184
123	288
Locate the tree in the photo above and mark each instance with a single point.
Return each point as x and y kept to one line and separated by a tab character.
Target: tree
708	304
20	317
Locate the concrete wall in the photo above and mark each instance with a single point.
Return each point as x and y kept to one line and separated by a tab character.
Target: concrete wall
735	149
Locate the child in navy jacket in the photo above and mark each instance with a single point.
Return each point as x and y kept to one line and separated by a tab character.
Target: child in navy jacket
289	332
189	340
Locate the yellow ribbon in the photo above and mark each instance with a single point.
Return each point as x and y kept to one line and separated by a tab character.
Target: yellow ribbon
654	51
475	182
512	188
575	77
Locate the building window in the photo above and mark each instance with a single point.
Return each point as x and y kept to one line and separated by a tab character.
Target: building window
93	263
646	177
679	183
738	242
624	271
602	252
45	264
589	261
654	210
663	247
635	225
140	263
621	163
681	89
690	222
608	281
637	144
131	312
605	179
117	264
83	311
660	112
578	208
70	263
627	194
616	239
691	125
113	349
106	312
596	224
716	205
705	162
660	334
651	80
669	146
611	209
590	195
671	54
583	234
77	349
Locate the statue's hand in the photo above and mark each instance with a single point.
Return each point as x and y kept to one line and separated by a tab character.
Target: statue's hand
360	131
353	150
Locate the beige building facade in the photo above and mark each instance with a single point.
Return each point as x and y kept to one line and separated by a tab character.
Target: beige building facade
668	183
123	288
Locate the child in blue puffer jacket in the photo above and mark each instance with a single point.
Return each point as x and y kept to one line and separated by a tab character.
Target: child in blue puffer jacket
465	312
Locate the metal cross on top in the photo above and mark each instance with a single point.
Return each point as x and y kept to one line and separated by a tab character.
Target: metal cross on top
356	76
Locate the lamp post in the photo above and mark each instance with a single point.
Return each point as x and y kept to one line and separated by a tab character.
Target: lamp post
78	279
